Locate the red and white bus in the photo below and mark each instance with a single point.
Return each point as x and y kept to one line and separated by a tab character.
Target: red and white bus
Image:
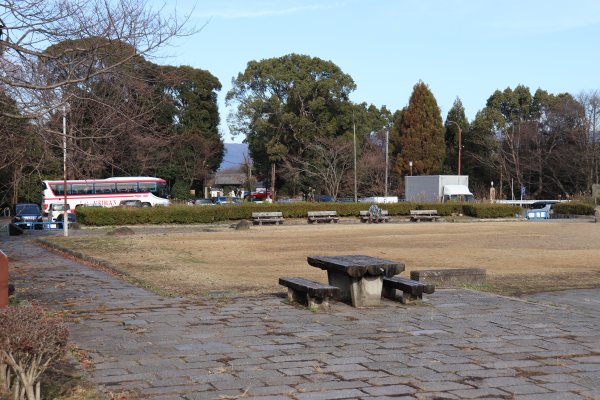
107	192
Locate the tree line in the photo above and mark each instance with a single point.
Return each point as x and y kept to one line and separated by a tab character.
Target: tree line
296	114
129	115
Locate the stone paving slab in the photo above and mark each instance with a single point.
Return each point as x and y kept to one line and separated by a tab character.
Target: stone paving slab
461	345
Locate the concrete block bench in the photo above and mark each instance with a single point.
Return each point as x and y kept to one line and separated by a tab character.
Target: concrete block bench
451	277
275	217
305	291
418	215
364	216
411	290
329	216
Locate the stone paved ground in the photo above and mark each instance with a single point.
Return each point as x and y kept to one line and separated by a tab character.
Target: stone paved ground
460	345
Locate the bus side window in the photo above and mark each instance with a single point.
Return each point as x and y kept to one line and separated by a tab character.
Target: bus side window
104	188
128	187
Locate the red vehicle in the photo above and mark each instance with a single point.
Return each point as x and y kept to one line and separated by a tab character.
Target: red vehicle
260	195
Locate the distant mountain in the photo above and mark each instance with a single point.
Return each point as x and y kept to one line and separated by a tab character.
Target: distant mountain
234	155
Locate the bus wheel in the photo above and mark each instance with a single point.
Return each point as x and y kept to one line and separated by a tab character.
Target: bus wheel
145	205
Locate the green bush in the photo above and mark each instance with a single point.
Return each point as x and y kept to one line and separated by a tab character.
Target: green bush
491	210
209	214
573	208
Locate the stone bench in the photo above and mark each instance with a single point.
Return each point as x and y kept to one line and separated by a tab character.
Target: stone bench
305	291
315	216
275	217
451	277
411	290
364	216
418	215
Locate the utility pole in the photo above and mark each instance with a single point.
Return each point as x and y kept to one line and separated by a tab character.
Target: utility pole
273	182
355	186
387	153
65	210
459	142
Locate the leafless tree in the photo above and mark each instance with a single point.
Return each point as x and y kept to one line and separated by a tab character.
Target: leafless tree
95	37
328	163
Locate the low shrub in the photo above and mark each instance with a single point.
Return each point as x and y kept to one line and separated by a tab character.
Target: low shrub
575	208
29	342
491	210
209	214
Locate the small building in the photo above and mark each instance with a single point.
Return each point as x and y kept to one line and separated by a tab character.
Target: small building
227	181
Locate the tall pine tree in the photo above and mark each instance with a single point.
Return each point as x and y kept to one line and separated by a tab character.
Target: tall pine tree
421	134
456	114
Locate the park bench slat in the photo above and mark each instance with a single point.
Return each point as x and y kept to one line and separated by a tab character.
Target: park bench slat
407	285
423	212
312	288
323	216
418	215
274	214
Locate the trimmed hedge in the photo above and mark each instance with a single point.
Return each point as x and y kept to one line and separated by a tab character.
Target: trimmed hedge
209	214
491	210
573	208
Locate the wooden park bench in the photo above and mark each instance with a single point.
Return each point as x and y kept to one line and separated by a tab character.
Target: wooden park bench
316	216
418	215
364	216
411	290
261	217
305	291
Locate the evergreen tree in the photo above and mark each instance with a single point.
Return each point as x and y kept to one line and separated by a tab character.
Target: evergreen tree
456	114
421	134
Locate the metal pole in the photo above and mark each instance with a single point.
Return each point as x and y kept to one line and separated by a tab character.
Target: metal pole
65	215
459	142
387	137
355	186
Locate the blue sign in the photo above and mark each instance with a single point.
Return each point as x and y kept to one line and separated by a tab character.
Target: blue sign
522	189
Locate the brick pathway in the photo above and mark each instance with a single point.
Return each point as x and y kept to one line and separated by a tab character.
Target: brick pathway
461	345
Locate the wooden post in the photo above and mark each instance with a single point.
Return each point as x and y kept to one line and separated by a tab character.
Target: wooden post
3	280
273	182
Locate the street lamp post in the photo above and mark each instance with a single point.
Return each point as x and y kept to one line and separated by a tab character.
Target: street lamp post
355	185
387	154
65	108
410	163
459	143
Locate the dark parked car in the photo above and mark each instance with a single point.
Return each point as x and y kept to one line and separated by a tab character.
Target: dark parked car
60	219
323	198
201	202
131	203
28	213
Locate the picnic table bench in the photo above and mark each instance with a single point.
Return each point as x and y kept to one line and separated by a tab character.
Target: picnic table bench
411	290
305	291
364	216
359	277
261	217
315	216
418	215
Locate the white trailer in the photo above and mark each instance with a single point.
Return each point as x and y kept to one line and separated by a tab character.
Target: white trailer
437	188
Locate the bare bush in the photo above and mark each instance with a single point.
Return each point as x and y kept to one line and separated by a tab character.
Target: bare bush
29	342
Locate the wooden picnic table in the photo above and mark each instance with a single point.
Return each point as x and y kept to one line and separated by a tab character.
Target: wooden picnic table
359	277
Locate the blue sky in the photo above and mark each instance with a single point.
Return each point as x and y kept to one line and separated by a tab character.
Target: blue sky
459	48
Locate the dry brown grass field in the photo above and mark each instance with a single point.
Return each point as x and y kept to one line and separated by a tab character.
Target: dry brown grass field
520	257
